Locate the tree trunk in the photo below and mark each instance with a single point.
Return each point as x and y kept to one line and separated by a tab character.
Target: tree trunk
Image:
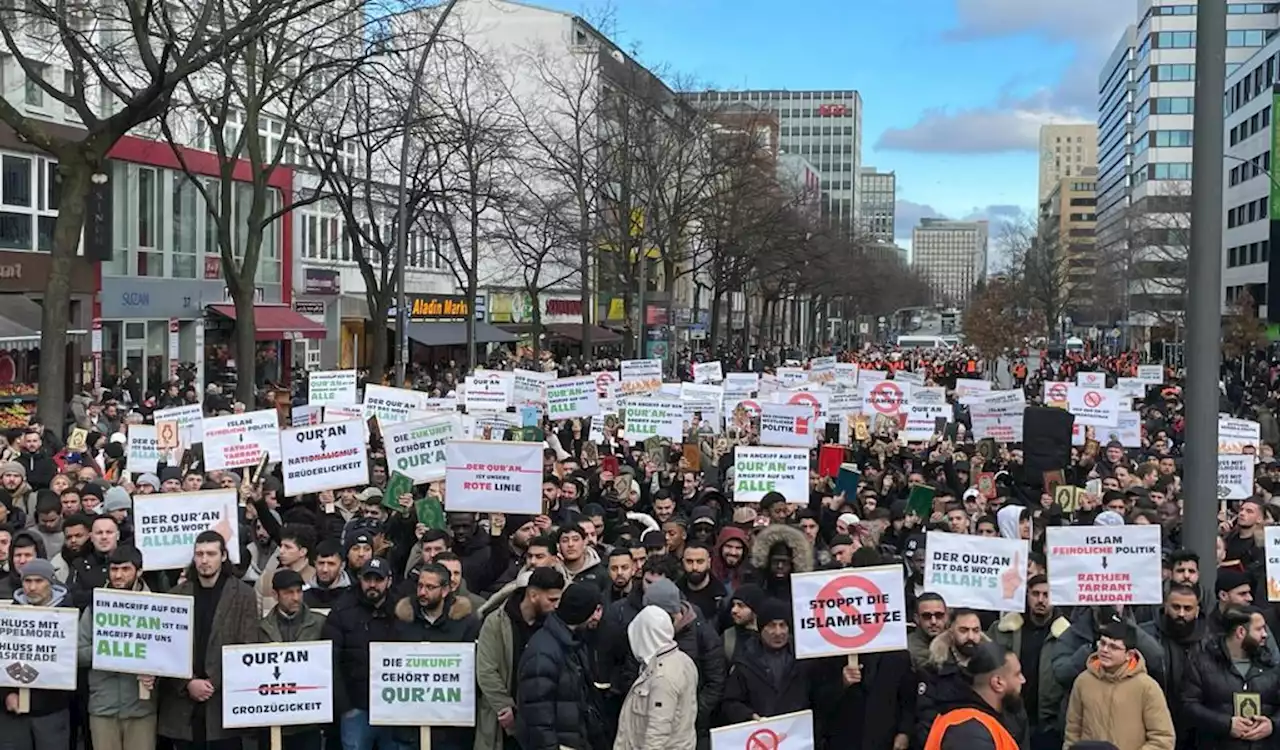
381	347
55	315
246	345
713	335
584	257
473	273
536	328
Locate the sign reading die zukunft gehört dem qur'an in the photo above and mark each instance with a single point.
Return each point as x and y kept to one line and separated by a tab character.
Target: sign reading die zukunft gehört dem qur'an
38	647
418	684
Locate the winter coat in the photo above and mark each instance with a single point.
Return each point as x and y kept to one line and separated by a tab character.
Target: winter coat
494	666
918	642
1008	633
879	707
234	621
44	702
697	638
352	624
659	713
944	687
88	572
751	687
310	628
594	571
111	694
1177	658
801	558
458	625
1072	651
266	590
1105	705
552	702
324	597
1207	696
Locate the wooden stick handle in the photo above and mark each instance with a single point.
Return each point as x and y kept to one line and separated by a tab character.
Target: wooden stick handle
144	693
276	742
424	738
853	660
24	700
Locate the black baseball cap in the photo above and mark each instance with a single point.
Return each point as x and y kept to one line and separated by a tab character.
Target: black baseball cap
376	567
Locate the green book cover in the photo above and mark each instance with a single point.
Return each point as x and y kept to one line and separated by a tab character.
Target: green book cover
430	513
398	484
920	501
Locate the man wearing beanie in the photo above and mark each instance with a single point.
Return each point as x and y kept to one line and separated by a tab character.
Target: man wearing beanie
46	726
13	479
554	694
742	611
767	679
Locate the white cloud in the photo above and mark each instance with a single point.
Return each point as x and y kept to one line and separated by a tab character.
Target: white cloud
1087	22
1007	126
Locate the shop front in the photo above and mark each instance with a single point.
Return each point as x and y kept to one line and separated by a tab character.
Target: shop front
277	328
437	329
316	297
560	321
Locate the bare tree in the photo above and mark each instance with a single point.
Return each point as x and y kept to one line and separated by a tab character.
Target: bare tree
1153	254
248	109
532	231
116	66
1035	267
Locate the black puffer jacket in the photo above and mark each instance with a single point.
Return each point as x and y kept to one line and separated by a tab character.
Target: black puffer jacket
698	639
1207	696
352	625
754	688
553	706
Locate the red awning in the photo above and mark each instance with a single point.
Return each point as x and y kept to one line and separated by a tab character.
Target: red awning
276	323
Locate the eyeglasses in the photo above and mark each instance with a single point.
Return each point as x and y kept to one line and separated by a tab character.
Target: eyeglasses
932	615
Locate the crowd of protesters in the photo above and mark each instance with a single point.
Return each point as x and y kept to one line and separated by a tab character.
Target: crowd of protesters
644	607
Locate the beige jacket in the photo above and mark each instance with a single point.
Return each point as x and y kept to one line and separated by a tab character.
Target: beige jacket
1126	708
661	710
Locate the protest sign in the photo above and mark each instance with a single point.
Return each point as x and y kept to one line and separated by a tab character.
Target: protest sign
700	407
1055	394
1238	436
493	477
871	376
759	470
1151	374
843	402
847	374
1272	551
1095	380
1091	565
997	415
925	407
791	425
488	390
38	648
345	413
640	376
652	417
1131	388
306	414
970	386
189	418
913	379
143	450
886	397
391	405
707	372
237	440
1128	430
416	449
822	370
986	573
569	398
1235	476
277	684
332	388
166	525
420	684
790	377
138	632
792	731
1094	407
324	457
529	387
849	611
748	382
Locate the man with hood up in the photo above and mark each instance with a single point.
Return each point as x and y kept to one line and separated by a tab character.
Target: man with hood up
46	726
778	552
659	713
728	554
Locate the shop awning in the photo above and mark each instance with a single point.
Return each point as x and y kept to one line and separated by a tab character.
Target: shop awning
276	322
454	333
600	335
20	320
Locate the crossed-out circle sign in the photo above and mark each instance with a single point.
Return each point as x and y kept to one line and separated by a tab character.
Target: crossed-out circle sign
1092	399
834	591
1058	392
764	739
752	407
886	397
602	382
805	399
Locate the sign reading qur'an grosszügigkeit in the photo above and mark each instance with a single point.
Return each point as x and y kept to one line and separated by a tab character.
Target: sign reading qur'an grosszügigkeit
277	684
1091	565
38	647
138	632
420	684
324	457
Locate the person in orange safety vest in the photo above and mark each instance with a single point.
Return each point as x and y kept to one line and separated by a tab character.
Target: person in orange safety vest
973	723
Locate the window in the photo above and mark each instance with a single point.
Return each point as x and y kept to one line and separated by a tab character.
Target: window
186	209
1173	105
29	197
1170	138
1169	171
1245	37
34	94
1174	39
1240	9
69	88
1184	72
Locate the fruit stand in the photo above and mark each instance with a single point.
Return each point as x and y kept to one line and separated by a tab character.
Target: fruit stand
18	396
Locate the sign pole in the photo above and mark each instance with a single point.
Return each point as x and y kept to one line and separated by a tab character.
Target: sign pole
276	741
24	700
144	693
424	738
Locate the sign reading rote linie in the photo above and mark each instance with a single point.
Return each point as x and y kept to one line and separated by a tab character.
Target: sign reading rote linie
849	611
419	684
324	457
1091	565
38	647
137	632
416	449
277	684
166	526
494	477
986	573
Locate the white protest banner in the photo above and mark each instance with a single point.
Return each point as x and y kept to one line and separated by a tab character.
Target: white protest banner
924	408
1151	374
1001	422
1235	476
759	470
143	450
277	684
416	449
1238	435
640	376
847	373
528	387
790	377
489	390
443	403
324	457
842	403
995	398
236	440
970	386
1091	565
189	418
871	376
421	684
1094	407
343	413
486	476
301	416
652	417
38	648
138	632
1055	394
166	525
490	425
700	407
708	372
815	397
742	381
986	573
570	398
332	388
607	384
392	405
790	425
886	397
913	379
1272	551
792	731
1128	431
1131	388
822	370
849	611
1091	379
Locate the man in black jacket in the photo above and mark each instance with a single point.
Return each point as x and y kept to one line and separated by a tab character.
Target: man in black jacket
555	707
1178	629
46	724
975	719
331	580
1227	709
89	570
766	679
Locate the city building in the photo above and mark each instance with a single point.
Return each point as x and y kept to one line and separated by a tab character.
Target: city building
824	127
796	173
1067	222
1115	167
1154	233
879	198
952	257
1250	194
1066	151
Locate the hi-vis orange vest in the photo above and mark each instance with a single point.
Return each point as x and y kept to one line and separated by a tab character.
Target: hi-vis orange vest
1003	740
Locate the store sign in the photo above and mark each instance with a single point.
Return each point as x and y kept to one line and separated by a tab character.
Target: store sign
435	307
311	309
321	281
27	272
833	110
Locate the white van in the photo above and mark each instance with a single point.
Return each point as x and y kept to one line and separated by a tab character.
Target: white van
924	342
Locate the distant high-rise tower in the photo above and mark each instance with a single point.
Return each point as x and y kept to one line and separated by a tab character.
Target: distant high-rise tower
1065	151
879	195
952	257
